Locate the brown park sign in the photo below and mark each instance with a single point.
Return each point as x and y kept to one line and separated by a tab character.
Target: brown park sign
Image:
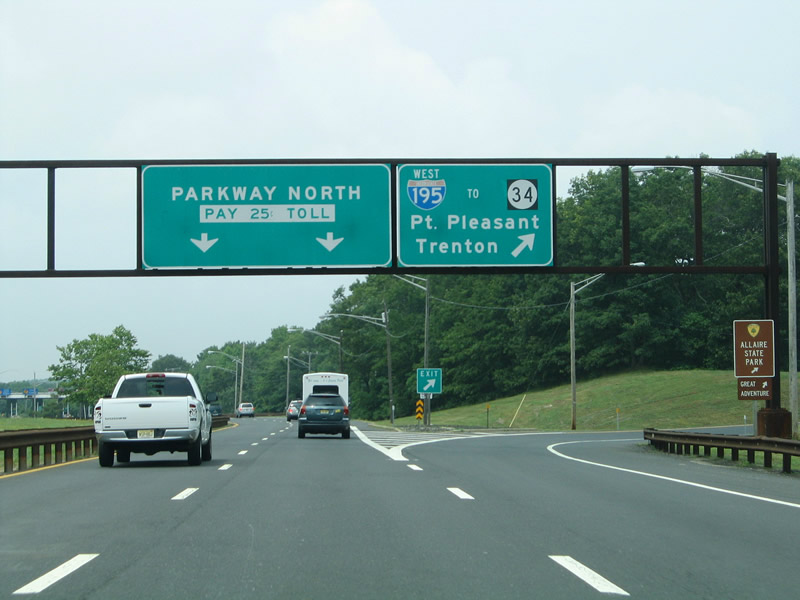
751	388
753	349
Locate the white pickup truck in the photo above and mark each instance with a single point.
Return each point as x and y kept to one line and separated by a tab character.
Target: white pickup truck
154	412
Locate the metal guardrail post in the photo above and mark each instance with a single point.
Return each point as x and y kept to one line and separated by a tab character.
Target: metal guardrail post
680	442
70	444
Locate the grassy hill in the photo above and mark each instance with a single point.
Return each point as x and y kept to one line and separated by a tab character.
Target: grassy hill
661	399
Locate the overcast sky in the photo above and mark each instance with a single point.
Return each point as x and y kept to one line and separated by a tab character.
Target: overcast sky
344	79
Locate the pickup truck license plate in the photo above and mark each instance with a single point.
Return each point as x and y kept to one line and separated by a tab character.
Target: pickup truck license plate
145	433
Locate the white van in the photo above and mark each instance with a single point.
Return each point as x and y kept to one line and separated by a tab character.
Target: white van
326	383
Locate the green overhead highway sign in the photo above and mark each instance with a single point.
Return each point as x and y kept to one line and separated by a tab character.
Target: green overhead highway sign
429	381
249	216
463	215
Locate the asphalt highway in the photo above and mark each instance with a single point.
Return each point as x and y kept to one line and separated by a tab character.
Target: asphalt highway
391	515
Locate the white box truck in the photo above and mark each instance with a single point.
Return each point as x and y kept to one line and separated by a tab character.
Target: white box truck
326	383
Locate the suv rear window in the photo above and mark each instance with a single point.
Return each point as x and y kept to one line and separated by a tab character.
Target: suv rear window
324	401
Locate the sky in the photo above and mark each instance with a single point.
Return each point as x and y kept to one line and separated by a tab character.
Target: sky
343	79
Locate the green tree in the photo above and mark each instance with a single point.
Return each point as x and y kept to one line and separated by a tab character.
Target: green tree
170	362
89	368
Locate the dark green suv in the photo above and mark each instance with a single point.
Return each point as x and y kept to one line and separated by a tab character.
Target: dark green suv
324	413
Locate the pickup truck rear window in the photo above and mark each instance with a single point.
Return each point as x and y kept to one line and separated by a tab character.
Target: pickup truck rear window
154	386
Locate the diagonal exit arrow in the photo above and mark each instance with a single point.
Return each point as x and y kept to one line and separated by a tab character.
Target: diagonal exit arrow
527	242
204	243
329	242
431	383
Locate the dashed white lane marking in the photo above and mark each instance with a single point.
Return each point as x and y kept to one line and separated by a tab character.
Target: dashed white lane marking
552	448
598	582
48	579
242	452
460	493
264	439
254	444
414	467
185	494
225	467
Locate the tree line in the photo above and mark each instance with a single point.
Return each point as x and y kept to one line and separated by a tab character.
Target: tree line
496	335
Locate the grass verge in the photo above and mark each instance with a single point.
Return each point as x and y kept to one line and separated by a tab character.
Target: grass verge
628	401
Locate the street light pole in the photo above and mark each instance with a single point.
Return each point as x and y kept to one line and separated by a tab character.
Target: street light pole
572	291
239	382
331	338
235	385
412	280
309	355
382	322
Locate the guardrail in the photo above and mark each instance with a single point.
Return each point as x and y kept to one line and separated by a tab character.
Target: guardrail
681	442
35	448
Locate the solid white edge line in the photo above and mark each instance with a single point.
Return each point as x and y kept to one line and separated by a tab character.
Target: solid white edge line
185	494
48	579
395	453
581	571
460	493
702	486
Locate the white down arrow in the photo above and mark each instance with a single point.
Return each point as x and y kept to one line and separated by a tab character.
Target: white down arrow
204	243
329	242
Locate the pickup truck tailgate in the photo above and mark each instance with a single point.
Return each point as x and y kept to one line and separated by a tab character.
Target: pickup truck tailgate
146	413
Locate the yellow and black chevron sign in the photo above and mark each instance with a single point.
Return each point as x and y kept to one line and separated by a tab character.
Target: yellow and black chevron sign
420	408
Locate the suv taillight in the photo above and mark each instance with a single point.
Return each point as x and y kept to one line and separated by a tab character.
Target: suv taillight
346	411
303	410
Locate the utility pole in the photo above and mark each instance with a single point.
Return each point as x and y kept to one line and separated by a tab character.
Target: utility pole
341	343
288	373
427	412
389	360
791	258
241	381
